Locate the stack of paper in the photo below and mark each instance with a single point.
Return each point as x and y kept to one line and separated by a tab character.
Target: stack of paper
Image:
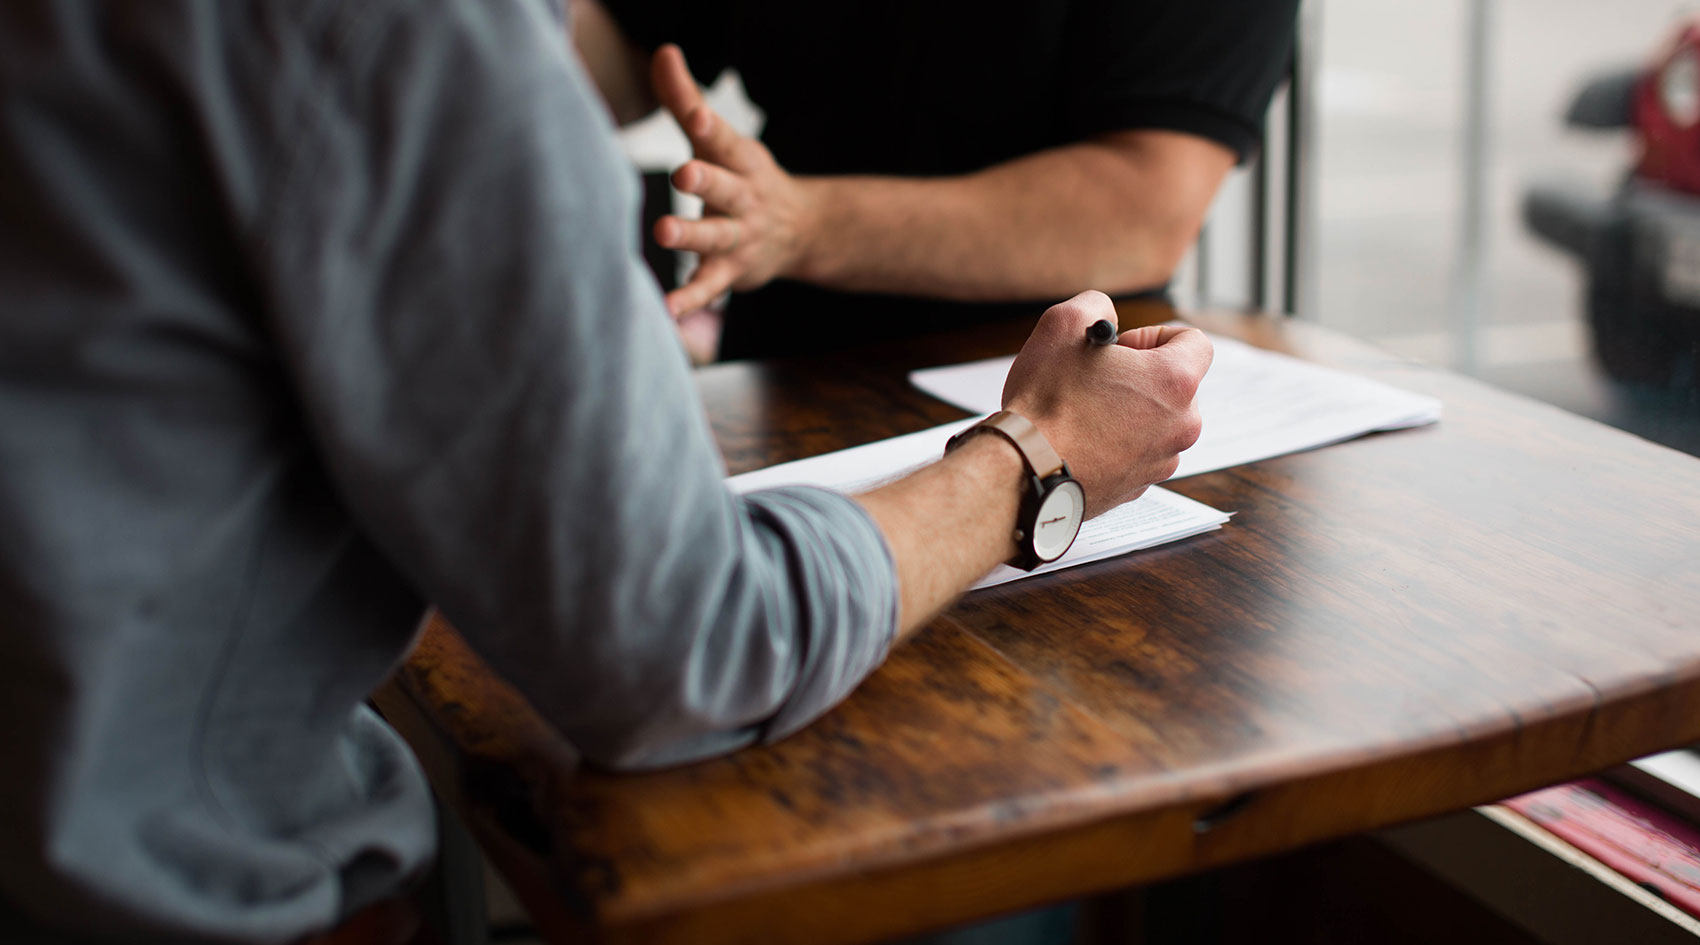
1255	403
1154	518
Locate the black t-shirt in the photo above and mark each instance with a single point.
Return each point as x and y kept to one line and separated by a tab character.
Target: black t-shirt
936	87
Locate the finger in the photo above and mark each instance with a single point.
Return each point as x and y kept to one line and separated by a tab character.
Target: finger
706	284
719	188
707	235
699	329
677	89
712	138
674	86
1070	318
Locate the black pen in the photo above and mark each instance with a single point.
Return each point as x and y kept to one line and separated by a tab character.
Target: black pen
1101	332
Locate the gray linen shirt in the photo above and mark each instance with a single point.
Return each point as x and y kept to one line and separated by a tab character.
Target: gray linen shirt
311	312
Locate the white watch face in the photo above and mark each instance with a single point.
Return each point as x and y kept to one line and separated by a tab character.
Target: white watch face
1059	521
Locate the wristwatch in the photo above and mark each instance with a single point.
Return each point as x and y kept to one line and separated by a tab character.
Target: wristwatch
1053	504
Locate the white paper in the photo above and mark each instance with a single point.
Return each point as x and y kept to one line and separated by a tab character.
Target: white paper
1255	404
858	468
1157	517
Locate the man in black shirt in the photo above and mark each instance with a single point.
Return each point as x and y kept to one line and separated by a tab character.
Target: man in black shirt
932	164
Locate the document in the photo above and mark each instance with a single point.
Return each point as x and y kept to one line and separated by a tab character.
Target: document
1157	517
1255	403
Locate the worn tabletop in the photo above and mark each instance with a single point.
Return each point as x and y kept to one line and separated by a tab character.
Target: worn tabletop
1389	628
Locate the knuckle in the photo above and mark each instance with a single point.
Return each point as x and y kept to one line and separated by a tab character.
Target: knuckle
1190	429
1175	385
1206	346
746	153
1201	359
1200	353
1182	373
754	152
1095	301
1072	315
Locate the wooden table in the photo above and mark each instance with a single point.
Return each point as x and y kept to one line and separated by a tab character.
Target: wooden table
1397	626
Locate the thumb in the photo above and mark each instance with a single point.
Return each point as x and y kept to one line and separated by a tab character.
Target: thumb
1152	336
1182	345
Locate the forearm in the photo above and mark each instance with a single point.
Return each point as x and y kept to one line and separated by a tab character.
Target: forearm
948	524
773	623
1115	213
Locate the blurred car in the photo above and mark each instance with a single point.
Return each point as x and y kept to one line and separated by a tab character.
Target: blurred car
1639	246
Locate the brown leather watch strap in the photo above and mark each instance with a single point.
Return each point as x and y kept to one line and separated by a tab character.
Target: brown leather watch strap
1028	441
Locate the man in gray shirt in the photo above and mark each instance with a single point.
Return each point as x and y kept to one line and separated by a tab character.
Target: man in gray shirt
312	312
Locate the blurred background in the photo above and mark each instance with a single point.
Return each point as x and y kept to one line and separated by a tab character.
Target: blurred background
1394	88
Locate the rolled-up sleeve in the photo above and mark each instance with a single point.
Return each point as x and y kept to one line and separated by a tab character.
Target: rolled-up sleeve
492	381
824	539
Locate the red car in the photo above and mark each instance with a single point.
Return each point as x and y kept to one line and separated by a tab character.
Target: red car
1641	245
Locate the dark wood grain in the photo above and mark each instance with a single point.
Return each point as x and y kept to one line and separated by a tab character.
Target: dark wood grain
1389	628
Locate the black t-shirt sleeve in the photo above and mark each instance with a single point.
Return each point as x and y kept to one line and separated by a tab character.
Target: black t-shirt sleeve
702	28
1205	67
